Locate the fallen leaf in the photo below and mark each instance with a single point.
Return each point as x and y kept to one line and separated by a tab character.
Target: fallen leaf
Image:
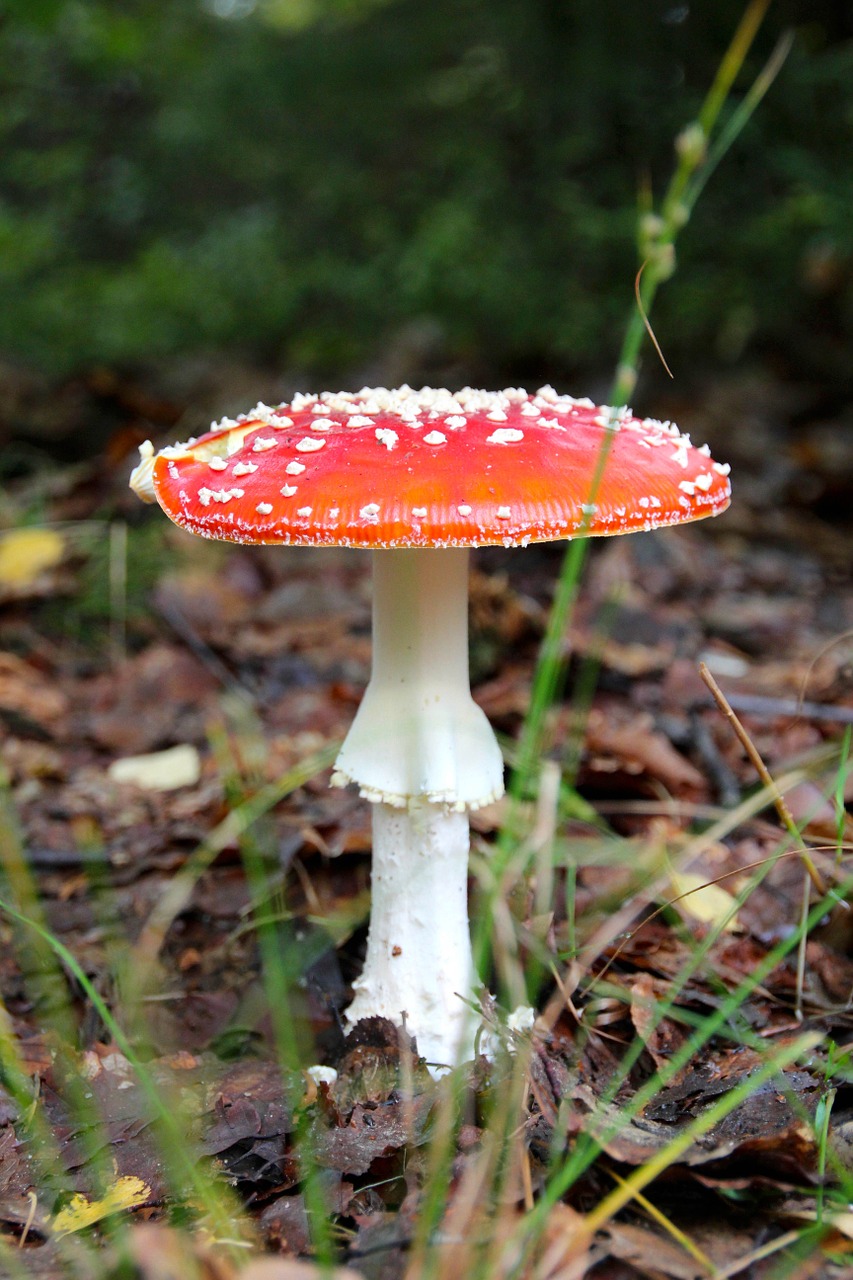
702	900
650	1252
638	748
159	770
661	1036
25	554
770	1125
248	1124
27	693
156	696
80	1212
371	1133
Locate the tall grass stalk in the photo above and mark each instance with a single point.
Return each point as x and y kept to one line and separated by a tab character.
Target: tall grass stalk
657	235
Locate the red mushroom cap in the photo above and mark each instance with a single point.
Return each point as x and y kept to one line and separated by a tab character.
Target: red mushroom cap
429	468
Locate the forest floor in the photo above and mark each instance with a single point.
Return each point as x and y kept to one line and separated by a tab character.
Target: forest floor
121	637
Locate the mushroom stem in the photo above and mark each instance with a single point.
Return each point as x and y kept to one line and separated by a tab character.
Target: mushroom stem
424	753
419	968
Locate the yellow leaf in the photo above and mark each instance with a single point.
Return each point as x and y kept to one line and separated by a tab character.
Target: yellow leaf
26	553
128	1193
709	903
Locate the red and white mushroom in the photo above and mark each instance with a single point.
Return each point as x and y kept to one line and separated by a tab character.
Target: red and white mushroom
420	477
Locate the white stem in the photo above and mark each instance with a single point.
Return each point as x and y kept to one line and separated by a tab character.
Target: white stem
419	966
418	732
424	753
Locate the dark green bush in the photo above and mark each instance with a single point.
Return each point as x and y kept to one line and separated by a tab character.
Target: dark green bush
298	179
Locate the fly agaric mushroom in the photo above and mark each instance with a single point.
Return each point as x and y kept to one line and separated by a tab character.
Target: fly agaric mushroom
420	477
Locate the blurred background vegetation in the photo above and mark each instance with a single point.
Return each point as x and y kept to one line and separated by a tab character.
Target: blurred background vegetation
333	187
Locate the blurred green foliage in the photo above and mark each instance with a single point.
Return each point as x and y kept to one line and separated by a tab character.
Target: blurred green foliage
295	180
